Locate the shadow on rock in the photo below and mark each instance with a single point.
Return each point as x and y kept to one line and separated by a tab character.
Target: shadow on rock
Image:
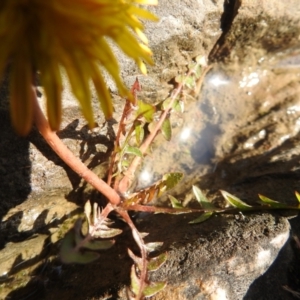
15	165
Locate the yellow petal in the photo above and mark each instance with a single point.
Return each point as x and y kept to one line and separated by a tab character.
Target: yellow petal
147	2
141	35
102	92
78	76
52	82
142	13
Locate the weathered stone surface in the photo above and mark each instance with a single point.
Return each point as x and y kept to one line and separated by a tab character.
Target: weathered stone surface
251	147
220	260
14	254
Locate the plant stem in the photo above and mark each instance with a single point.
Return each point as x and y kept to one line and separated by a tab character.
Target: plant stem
68	157
140	242
126	181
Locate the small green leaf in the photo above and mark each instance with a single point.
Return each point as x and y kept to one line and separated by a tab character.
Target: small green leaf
203	217
271	203
133	150
166	103
139	132
99	245
124	163
156	262
154	288
235	201
77	231
85	257
145	110
171	179
179	106
135	282
166	129
107	233
298	196
68	254
137	260
174	202
154	246
203	201
190	82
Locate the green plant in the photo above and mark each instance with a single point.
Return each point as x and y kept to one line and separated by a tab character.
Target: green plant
41	38
131	144
234	204
46	49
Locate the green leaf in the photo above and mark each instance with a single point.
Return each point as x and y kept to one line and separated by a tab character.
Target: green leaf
154	246
145	110
107	233
166	129
190	82
166	103
271	203
174	202
99	245
133	150
68	254
171	179
203	217
156	262
139	132
297	196
137	260
235	201
154	288
203	201
85	257
125	163
135	282
179	106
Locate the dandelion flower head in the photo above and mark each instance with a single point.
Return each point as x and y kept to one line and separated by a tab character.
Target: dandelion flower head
71	35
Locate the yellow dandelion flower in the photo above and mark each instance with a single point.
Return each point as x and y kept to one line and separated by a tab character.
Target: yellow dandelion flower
48	36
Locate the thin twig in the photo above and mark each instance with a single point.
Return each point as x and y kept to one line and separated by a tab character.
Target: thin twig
68	157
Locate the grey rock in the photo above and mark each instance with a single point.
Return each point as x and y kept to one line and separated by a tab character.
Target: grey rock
251	147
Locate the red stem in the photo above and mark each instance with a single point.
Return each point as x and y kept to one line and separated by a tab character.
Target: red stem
68	157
